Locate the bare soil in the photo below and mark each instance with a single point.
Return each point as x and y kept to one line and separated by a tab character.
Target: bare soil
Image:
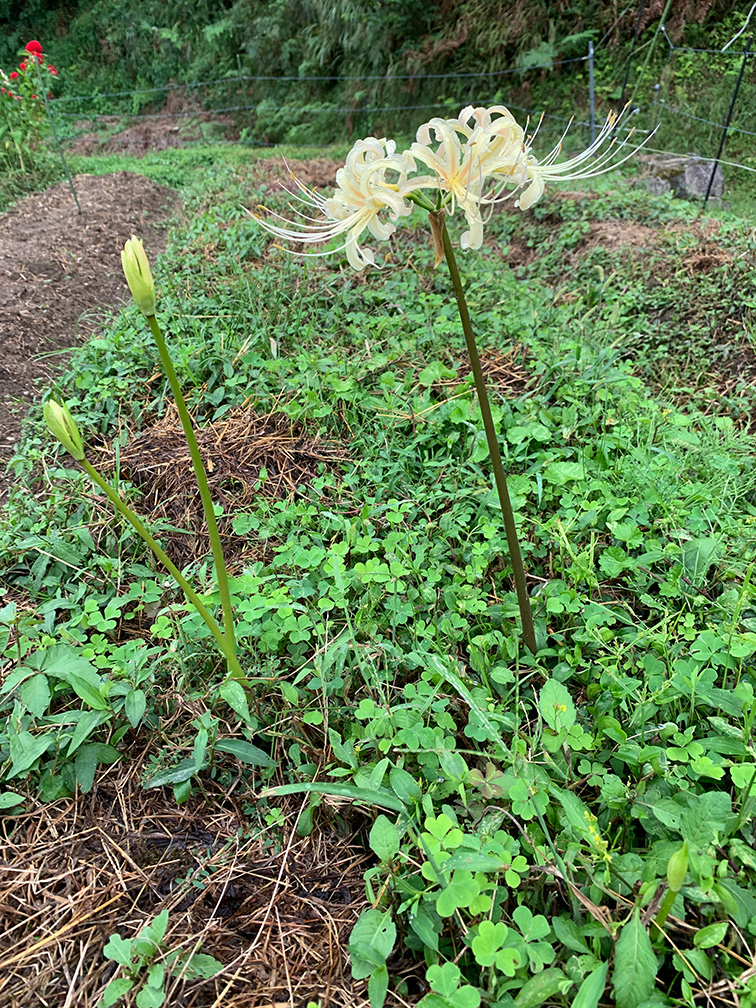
60	275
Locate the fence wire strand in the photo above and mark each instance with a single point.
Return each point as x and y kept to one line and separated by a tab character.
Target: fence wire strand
386	78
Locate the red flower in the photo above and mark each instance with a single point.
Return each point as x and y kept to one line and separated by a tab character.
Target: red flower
49	94
33	47
34	96
14	75
52	70
22	65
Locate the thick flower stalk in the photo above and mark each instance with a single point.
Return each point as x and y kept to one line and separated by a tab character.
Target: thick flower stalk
468	164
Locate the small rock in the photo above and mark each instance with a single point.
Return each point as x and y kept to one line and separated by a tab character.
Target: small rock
688	177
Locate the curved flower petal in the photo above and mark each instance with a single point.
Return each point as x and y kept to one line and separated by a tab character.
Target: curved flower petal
369	185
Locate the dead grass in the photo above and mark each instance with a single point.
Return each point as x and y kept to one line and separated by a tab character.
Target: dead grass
275	908
247	458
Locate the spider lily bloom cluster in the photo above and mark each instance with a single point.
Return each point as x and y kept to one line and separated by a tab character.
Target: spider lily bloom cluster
475	161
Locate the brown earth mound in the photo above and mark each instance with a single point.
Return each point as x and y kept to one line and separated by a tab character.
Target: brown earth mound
57	263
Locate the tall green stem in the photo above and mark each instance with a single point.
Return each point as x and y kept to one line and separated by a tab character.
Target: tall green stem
233	664
204	489
515	556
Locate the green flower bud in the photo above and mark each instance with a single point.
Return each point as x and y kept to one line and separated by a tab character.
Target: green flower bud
63	427
138	275
677	868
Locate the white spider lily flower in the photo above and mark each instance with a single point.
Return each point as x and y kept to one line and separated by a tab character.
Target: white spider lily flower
471	148
369	183
599	157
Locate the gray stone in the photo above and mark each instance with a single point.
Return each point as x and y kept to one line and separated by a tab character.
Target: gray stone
656	186
685	176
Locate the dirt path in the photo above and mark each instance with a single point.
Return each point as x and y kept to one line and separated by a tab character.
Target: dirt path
58	270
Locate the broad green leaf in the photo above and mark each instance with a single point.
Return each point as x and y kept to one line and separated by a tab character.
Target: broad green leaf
592	988
556	706
118	949
706	818
560	473
183	791
569	934
738	902
25	749
62	659
85	691
35	694
183	771
371	942
379	797
539	988
202	966
245	752
88	720
9	799
421	923
711	935
635	965
150	997
135	704
384	838
116	990
580	818
233	693
404	785
156	975
199	748
85	766
378	986
157	928
698	555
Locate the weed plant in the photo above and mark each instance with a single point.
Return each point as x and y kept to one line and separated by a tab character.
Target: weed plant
531	816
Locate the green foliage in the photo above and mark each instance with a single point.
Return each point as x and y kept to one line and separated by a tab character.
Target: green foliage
368	63
634	965
146	965
528	813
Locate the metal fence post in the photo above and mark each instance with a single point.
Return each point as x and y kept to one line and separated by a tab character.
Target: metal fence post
731	109
591	91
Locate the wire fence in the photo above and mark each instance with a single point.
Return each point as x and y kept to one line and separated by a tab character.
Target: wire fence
261	118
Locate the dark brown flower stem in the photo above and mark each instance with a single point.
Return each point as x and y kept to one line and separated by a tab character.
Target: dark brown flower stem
515	556
204	489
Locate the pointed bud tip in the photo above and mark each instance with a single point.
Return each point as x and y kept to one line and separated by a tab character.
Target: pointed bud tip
63	427
138	275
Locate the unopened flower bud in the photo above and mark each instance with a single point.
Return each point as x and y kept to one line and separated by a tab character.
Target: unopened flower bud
677	868
138	275
63	427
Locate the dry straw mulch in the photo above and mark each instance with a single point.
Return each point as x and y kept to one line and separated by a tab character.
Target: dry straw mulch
247	457
276	909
